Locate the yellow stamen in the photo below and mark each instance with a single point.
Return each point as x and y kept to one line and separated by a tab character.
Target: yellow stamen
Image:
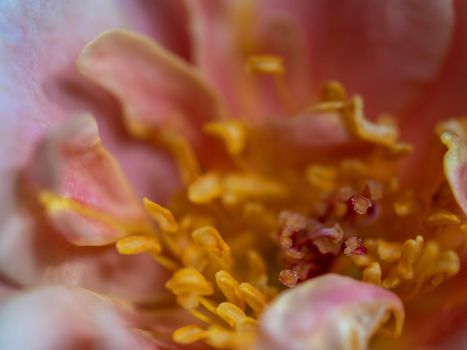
209	239
265	64
232	132
410	252
272	65
333	91
138	244
189	334
443	218
56	204
230	313
230	287
200	316
372	274
323	177
161	215
253	297
188	284
183	154
205	189
383	133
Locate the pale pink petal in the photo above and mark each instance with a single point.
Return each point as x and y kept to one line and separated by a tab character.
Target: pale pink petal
329	312
156	89
40	86
53	318
453	134
388	51
85	194
46	257
72	163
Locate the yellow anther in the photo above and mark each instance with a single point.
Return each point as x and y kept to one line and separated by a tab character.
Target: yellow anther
208	238
243	186
442	218
200	316
389	252
138	244
246	324
195	257
230	287
230	313
221	338
253	297
192	222
333	91
381	134
265	64
232	132
184	156
447	266
189	334
208	304
161	215
55	204
372	274
410	252
205	189
188	284
391	282
322	177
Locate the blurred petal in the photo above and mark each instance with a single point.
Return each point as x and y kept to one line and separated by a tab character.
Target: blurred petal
85	194
46	257
157	90
329	312
445	99
71	166
453	134
387	51
40	86
61	318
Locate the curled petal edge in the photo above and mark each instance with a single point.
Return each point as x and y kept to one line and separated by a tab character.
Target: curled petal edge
330	312
84	193
453	134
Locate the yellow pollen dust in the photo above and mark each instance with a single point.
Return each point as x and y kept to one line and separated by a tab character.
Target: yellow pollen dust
238	234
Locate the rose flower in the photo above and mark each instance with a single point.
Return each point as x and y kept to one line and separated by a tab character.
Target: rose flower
233	174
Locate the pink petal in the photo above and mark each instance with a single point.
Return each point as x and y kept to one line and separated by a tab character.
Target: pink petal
39	43
387	51
328	312
453	134
61	318
157	90
72	164
446	99
46	257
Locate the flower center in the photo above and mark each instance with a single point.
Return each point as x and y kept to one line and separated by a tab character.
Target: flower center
273	216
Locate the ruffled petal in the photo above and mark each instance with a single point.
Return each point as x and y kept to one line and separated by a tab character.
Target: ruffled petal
62	318
84	192
387	51
39	44
329	312
157	90
453	134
